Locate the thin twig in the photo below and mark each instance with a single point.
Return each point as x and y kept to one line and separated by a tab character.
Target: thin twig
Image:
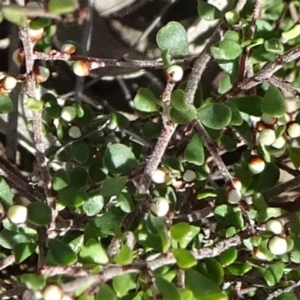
262	75
113	271
284	85
283	291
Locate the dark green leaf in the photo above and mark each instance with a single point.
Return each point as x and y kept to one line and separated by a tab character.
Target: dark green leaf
9	239
273	273
6	195
250	105
119	158
273	102
215	116
62	7
93	253
78	177
39	213
236	118
194	152
239	269
172	37
72	197
202	287
62	253
61	179
112	186
110	221
80	152
105	292
23	251
228	256
294	154
183	117
145	100
167	289
184	258
6	105
213	270
207	11
179	100
268	178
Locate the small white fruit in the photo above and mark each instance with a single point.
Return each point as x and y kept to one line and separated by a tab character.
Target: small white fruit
159	176
81	68
293	130
8	83
268	119
256	164
159	206
36	34
279	142
52	292
189	176
68	48
233	196
283	119
277	245
19	57
259	254
174	73
74	132
68	113
274	226
17	214
42	74
237	184
267	136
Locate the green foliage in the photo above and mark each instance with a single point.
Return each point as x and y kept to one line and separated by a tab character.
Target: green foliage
172	37
6	105
88	225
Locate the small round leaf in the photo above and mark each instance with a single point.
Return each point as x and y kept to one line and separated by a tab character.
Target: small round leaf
119	158
145	100
172	37
39	213
215	116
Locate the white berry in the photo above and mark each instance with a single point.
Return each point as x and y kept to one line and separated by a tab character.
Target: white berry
293	130
268	119
189	176
52	292
159	206
278	245
42	74
68	48
237	184
81	68
279	142
74	132
68	113
8	83
274	226
36	34
174	73
267	136
233	196
256	164
159	176
17	214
